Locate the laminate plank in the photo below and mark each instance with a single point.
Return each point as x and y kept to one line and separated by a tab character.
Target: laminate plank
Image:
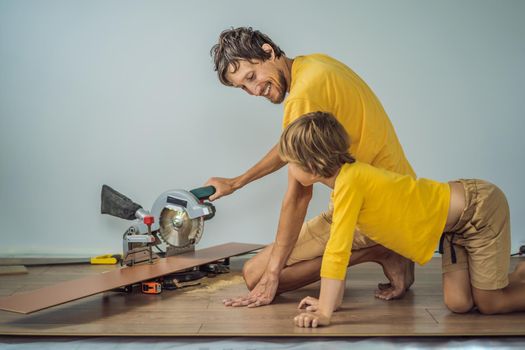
76	289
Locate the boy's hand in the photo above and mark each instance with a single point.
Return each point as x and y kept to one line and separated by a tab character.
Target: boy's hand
311	320
312	304
309	303
329	299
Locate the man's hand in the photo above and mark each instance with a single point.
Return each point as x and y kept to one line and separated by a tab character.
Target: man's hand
263	294
311	320
223	186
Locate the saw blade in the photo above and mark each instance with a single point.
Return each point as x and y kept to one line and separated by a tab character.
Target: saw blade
177	229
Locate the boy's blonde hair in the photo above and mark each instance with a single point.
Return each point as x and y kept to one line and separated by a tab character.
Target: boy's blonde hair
317	142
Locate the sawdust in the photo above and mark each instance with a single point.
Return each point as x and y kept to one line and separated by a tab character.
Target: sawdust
216	283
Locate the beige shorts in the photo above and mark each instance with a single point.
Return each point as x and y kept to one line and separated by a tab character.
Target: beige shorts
481	238
314	236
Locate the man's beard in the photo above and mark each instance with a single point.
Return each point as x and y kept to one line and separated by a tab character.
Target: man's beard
284	89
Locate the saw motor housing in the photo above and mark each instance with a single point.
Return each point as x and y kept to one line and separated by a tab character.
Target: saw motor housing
176	219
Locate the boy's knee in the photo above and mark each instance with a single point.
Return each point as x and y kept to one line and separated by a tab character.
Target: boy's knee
488	308
489	302
458	304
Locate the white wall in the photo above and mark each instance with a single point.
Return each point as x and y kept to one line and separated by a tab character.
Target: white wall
123	93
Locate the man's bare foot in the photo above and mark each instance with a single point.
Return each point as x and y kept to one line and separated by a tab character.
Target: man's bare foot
400	273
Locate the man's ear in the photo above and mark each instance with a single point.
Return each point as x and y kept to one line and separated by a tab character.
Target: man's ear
269	49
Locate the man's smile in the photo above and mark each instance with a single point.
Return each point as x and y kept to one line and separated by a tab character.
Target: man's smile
266	90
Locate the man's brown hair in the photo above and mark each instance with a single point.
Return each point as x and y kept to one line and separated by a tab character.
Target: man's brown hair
317	142
237	44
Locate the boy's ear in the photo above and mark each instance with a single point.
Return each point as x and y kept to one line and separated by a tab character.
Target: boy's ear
269	49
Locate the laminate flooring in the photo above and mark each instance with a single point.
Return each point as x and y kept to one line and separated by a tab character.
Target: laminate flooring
197	311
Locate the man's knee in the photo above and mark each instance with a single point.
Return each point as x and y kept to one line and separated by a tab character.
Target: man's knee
254	268
458	303
250	274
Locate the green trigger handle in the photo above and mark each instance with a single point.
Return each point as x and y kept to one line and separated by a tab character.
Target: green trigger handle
203	192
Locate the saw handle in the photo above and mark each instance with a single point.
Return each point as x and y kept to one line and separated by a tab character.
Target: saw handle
203	193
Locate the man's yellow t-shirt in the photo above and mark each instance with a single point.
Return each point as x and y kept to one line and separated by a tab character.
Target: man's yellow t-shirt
321	83
397	211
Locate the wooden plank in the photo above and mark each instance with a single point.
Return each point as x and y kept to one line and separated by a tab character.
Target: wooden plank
80	288
13	270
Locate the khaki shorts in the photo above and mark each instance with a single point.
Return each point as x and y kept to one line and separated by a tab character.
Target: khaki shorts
314	236
481	237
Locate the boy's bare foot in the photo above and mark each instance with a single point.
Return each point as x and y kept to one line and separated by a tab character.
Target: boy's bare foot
400	273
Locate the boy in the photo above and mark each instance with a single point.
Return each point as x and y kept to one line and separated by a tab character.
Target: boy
469	218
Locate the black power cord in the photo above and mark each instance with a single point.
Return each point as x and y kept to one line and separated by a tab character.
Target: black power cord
521	252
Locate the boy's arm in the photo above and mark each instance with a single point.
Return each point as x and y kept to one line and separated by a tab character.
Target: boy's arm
268	164
340	296
347	205
312	304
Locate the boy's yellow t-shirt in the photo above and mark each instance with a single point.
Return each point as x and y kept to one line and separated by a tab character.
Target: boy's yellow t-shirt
321	83
397	211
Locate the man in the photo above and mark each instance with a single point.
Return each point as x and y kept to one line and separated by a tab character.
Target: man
250	60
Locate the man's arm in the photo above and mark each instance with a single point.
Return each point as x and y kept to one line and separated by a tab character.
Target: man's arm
270	163
293	212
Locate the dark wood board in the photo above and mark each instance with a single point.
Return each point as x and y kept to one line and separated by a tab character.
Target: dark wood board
64	292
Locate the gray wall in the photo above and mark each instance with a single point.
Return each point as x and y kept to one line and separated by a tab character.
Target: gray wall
123	93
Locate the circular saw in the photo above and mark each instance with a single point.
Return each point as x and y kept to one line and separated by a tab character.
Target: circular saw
177	229
176	219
